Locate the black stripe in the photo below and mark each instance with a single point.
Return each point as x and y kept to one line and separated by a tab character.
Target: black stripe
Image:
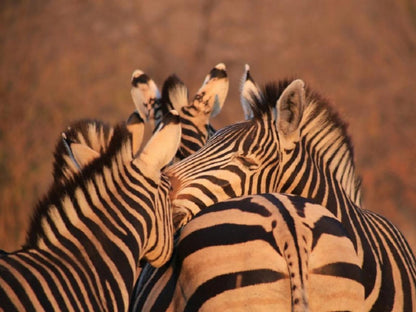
220	235
250	137
192	199
388	229
113	215
190	145
329	226
52	283
217	73
222	283
143	78
130	202
33	282
10	279
6	304
342	269
53	265
364	233
295	172
286	166
148	277
105	275
75	253
210	130
396	236
223	183
82	297
186	111
165	297
244	204
189	129
385	299
300	187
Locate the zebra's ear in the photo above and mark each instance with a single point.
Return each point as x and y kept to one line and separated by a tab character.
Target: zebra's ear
135	124
161	147
211	96
144	93
174	94
249	93
81	154
290	107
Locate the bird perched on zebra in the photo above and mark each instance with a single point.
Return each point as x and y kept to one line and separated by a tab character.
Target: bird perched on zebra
89	233
293	142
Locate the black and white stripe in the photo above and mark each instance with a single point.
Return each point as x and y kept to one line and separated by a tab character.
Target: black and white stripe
268	252
88	234
84	136
88	135
294	143
195	114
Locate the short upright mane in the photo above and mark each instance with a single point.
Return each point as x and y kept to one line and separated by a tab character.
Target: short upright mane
266	102
272	91
79	128
58	190
316	105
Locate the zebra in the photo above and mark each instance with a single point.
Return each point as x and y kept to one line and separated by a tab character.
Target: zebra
91	136
195	114
294	143
269	252
88	234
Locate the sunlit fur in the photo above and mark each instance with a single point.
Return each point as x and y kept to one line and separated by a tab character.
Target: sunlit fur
88	235
94	134
268	252
195	113
196	128
239	159
315	162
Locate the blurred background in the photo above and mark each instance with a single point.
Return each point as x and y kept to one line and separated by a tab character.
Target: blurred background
65	60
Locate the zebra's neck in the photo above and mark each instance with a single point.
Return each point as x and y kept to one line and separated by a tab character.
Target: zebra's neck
89	224
194	134
320	165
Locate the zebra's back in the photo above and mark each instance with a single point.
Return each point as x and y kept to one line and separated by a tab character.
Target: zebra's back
257	253
295	143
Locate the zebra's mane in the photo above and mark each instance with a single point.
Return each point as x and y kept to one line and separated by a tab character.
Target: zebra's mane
271	92
79	127
265	105
58	191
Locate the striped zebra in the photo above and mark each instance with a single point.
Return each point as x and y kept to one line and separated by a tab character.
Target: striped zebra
295	143
87	235
91	137
195	114
269	252
83	141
